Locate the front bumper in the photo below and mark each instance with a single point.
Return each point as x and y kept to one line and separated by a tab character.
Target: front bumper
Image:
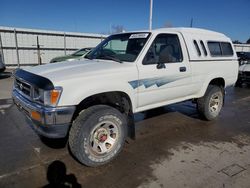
54	122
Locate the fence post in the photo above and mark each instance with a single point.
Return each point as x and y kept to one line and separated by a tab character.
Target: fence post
17	53
38	51
64	37
1	48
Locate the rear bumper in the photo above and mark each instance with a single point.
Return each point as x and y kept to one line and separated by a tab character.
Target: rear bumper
54	122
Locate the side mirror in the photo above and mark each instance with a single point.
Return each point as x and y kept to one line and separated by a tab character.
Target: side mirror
160	65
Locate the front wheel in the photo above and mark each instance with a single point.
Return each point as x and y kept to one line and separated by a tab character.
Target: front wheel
209	106
97	135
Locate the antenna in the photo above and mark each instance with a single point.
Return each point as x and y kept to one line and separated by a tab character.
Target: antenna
191	23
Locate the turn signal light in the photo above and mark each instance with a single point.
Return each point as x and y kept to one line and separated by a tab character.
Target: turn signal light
36	116
54	95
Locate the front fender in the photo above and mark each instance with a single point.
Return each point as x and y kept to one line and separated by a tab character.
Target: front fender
74	93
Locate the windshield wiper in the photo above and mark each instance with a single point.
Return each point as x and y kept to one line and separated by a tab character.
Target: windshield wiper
110	58
88	57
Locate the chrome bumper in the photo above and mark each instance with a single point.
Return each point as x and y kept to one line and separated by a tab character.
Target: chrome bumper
55	121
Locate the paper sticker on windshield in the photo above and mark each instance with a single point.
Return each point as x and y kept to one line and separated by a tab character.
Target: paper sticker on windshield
139	36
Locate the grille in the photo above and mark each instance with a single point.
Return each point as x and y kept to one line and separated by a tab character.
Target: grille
23	87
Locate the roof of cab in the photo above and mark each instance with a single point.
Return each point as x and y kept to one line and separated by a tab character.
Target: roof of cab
189	30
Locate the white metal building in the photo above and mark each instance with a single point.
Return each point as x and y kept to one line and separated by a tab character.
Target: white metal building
20	46
242	47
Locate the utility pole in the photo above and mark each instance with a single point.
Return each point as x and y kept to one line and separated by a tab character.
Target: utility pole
150	15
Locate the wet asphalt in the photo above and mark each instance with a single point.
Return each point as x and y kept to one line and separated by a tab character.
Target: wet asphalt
25	157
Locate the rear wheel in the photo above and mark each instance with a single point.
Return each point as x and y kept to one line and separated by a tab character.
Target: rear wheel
209	106
97	135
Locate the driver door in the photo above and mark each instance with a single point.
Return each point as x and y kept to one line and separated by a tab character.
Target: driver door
164	74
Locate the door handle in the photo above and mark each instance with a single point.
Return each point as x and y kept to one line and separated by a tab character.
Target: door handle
183	69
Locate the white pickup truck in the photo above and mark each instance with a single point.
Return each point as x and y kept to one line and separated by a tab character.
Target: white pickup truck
92	101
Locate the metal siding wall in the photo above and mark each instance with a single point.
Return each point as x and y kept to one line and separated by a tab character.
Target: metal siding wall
8	39
70	42
50	54
51	44
242	47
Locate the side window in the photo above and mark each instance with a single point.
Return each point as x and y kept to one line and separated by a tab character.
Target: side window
165	49
220	48
203	48
226	49
197	48
214	48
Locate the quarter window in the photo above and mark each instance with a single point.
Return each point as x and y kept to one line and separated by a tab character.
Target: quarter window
164	49
203	48
197	48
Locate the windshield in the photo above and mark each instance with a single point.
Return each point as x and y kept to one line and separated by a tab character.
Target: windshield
120	47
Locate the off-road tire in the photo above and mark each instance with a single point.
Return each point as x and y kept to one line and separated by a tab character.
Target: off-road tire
204	104
82	139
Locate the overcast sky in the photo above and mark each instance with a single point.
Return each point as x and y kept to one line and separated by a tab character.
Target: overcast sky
231	17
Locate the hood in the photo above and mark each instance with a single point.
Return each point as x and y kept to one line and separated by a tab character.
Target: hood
57	72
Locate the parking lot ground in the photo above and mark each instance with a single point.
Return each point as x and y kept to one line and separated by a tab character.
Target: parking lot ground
173	148
5	84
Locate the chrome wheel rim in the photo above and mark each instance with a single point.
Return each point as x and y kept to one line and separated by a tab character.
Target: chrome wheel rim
215	103
104	137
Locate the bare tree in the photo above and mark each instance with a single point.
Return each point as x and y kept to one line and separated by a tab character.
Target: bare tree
237	42
117	29
168	24
248	41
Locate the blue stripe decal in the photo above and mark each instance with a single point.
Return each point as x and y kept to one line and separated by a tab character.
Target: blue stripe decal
134	84
152	81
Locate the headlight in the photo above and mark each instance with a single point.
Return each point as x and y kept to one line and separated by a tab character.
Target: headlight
47	98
